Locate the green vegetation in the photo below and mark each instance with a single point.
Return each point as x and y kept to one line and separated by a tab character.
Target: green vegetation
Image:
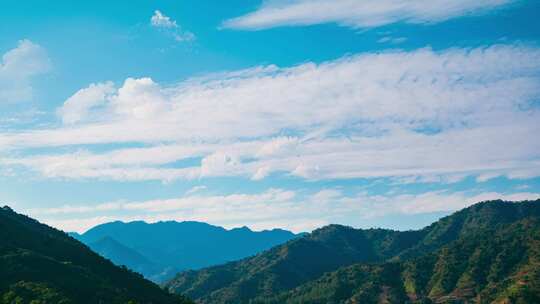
39	265
287	266
488	253
494	266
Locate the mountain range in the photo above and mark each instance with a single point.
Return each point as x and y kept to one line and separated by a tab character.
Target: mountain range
487	253
160	250
41	265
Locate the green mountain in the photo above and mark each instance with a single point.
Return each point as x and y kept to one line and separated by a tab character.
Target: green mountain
287	266
496	265
39	264
486	253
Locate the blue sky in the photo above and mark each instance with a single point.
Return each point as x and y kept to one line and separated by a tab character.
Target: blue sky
291	114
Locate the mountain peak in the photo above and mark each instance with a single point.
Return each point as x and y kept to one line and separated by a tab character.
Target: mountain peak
7	208
242	229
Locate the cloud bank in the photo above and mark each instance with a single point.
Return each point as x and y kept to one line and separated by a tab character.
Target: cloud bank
271	208
358	13
423	115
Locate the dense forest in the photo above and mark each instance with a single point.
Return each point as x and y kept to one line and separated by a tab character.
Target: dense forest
487	253
41	265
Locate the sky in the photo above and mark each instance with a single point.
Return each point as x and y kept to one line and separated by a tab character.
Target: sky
287	114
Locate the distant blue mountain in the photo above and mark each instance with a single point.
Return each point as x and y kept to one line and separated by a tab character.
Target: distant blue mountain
123	255
161	249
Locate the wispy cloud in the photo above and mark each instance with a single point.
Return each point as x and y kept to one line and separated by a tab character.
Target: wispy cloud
424	113
270	209
160	20
168	25
358	13
195	189
17	68
393	40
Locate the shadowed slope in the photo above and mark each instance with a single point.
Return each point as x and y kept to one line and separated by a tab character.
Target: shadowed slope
40	263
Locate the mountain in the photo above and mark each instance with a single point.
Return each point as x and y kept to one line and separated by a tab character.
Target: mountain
122	255
40	264
484	253
287	266
495	265
164	248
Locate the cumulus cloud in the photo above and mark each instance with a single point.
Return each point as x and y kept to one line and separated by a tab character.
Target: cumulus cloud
358	13
17	68
271	208
422	115
81	103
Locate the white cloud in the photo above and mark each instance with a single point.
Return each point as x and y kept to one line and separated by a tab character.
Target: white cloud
79	105
184	36
219	163
358	13
261	173
392	40
18	67
326	195
425	115
195	189
307	171
159	20
79	225
270	209
437	202
227	210
277	146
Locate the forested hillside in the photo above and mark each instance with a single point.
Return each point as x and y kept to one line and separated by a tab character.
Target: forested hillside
487	252
39	264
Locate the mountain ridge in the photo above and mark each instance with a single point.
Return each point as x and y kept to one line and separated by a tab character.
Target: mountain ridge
328	249
494	266
172	246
